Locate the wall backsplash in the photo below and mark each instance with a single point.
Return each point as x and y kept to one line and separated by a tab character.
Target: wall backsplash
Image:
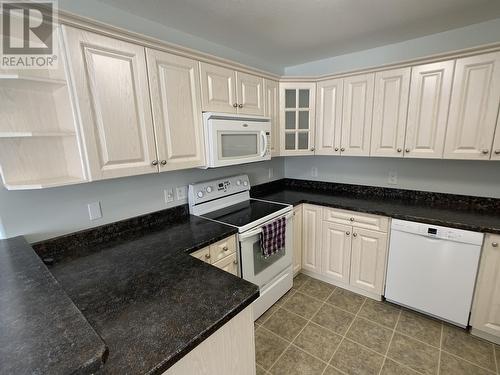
480	178
47	213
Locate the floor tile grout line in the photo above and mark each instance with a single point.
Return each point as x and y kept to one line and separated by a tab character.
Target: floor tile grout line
390	341
440	348
297	335
469	362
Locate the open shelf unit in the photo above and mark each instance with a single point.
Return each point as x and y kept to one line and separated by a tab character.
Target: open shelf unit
39	139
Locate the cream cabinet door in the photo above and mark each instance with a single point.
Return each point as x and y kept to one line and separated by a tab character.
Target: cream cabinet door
311	241
228	264
271	99
368	258
250	94
428	109
336	251
474	107
495	152
110	83
218	89
357	115
297	239
175	97
486	306
390	108
329	117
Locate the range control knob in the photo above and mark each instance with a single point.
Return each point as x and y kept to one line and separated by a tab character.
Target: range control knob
238	182
200	194
245	183
209	189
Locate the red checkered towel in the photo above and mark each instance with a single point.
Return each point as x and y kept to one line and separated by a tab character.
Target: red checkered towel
272	237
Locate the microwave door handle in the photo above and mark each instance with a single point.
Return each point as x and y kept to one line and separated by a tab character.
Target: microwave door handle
250	234
264	143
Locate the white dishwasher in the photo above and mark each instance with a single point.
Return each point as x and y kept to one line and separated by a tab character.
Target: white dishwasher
433	269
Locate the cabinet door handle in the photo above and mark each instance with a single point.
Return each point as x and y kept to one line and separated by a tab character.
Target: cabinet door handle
494	244
312	148
352	219
154	163
235	105
399	149
163	162
225	248
235	261
342	149
207	256
347	233
355	235
240	105
336	148
485	152
407	150
497	152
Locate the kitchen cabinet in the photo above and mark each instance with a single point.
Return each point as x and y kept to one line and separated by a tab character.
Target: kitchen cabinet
271	110
226	90
229	350
485	318
428	109
109	79
311	238
297	115
203	254
369	251
329	117
222	249
474	107
357	115
297	239
176	104
336	252
222	254
228	264
390	109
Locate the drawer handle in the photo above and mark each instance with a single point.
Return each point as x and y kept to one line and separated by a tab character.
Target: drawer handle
494	244
207	256
352	219
225	248
235	261
355	235
347	233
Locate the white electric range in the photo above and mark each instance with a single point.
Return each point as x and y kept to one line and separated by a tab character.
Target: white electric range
227	200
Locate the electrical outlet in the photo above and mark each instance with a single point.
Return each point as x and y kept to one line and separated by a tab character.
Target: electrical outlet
181	192
314	172
393	178
271	173
169	195
94	210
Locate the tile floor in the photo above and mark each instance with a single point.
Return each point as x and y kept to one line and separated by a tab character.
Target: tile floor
319	329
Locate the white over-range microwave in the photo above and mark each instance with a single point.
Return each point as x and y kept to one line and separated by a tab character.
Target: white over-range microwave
233	139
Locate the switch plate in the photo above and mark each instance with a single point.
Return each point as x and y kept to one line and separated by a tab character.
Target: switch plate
169	195
95	211
181	192
314	171
393	178
271	173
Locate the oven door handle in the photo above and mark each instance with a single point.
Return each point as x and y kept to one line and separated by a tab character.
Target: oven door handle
250	234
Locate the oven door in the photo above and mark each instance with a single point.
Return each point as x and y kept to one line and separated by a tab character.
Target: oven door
237	142
257	269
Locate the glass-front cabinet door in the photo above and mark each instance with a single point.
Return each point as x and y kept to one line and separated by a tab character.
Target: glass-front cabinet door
297	100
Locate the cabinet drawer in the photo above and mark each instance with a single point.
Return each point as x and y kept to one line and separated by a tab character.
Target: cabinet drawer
228	264
356	219
222	249
202	254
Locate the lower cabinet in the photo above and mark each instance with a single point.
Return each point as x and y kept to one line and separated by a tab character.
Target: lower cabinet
485	318
229	350
221	254
297	239
338	248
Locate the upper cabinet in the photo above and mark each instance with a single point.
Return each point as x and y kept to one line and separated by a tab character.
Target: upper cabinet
389	112
272	108
474	107
225	90
110	83
329	116
428	109
297	103
176	104
357	115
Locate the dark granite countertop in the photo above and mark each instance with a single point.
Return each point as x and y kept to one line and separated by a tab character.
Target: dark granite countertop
463	212
149	300
41	330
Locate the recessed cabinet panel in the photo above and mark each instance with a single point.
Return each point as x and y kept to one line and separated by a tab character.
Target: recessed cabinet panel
218	88
110	81
486	306
336	251
174	83
271	93
474	107
329	117
250	94
368	260
357	115
428	109
311	255
389	112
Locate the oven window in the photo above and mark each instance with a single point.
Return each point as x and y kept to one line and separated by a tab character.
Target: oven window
237	145
260	263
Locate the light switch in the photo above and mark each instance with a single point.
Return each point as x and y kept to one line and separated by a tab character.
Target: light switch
169	195
94	210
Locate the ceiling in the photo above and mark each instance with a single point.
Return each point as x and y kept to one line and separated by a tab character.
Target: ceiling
290	32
